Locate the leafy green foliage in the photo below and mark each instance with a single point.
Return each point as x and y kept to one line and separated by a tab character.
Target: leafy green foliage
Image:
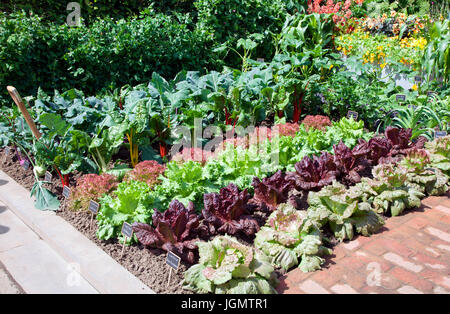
130	202
440	153
229	267
45	200
106	54
287	238
420	176
388	193
344	211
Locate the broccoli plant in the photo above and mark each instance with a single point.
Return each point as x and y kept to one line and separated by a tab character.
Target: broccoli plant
288	238
229	267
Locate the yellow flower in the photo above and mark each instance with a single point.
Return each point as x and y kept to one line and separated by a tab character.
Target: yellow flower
331	66
382	65
414	87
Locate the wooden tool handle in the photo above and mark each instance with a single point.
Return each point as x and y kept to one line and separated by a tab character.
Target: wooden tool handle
19	102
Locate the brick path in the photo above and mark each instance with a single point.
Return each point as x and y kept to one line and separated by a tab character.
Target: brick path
411	254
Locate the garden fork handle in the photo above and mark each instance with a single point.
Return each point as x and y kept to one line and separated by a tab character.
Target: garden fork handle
19	102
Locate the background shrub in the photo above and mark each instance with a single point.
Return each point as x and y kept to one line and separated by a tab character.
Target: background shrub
107	54
230	20
54	11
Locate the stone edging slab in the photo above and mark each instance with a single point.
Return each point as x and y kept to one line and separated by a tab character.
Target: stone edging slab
97	267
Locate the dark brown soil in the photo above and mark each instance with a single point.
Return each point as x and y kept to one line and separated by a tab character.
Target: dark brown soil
10	165
146	264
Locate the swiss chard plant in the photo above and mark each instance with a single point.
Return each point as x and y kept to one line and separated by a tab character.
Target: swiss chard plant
63	147
227	212
228	267
175	231
289	240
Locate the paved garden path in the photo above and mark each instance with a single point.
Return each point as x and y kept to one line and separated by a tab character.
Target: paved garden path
411	254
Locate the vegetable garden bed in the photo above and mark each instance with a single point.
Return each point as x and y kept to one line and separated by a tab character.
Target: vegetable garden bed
243	173
148	266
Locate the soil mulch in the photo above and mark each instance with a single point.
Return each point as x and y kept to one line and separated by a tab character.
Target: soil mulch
146	264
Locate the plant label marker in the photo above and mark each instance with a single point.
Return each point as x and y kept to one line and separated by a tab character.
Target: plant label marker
400	98
48	177
127	231
260	59
418	79
93	208
352	114
66	192
26	165
7	151
173	261
438	134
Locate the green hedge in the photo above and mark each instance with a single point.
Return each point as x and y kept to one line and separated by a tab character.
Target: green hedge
55	10
107	54
230	20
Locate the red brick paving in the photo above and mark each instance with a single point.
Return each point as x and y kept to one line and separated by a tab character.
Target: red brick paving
410	255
